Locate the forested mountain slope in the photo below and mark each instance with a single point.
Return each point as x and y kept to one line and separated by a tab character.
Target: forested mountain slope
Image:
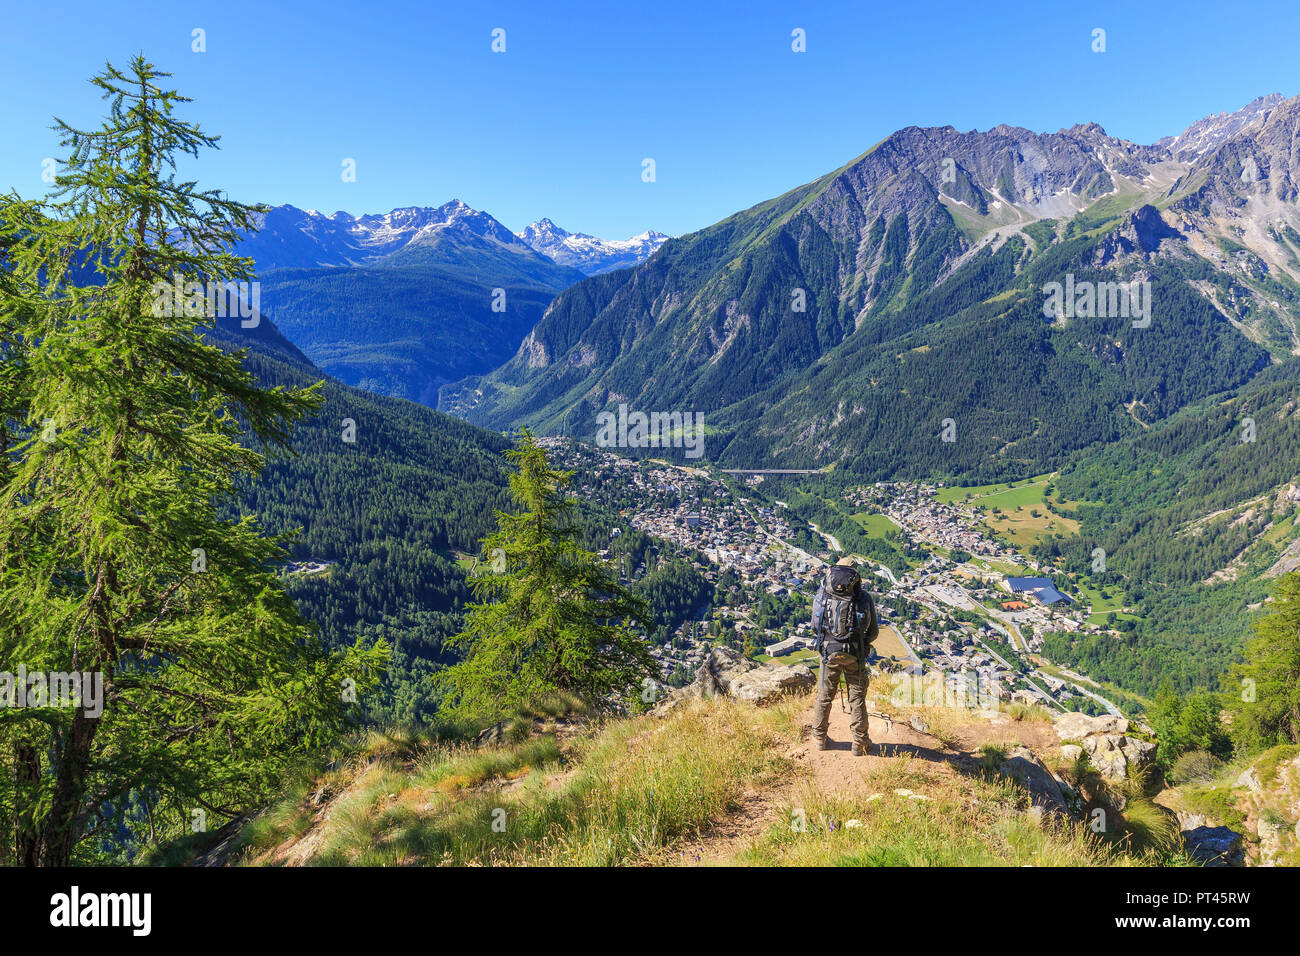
403	302
385	512
844	322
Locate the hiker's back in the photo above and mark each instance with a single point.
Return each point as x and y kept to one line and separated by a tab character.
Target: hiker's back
844	625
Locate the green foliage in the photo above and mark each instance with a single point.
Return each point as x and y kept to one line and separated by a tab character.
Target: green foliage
122	436
550	616
1267	710
674	593
1196	767
1184	724
1168	507
388	514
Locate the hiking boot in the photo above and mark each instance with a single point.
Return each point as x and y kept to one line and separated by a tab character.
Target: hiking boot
819	743
860	750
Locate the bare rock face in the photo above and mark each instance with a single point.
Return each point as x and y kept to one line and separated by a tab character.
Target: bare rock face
1141	233
1046	790
1107	742
1075	726
1215	846
727	673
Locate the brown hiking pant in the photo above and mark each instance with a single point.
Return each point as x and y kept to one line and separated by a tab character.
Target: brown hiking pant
828	683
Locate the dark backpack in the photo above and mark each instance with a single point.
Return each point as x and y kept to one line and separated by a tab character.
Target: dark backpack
840	633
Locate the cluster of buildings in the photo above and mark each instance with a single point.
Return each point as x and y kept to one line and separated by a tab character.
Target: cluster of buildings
960	632
913	507
718	531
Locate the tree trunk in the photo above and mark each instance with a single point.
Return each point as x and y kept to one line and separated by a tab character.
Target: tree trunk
62	825
27	838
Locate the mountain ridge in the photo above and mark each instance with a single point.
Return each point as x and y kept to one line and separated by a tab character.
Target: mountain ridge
589	254
703	323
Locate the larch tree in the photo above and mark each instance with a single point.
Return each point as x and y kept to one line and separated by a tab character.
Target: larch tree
551	617
1265	704
124	433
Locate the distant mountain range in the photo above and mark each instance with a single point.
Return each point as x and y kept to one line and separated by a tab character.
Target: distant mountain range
588	254
291	238
843	322
893	319
906	316
403	302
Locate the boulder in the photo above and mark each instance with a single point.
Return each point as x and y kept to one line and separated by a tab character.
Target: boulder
1106	741
1045	790
1076	726
765	684
1071	751
1250	780
491	736
1215	846
727	673
1117	756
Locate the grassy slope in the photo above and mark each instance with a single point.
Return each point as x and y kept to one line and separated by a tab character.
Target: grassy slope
685	789
1016	524
1218	795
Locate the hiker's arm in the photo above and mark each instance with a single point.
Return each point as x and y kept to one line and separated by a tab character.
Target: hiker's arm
869	613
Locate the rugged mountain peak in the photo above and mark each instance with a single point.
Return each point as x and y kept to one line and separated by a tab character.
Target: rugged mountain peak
1087	129
1253	166
288	237
1211	132
1140	234
589	254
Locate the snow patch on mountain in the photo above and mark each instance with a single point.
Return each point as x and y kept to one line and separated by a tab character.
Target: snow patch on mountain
1213	131
288	236
589	254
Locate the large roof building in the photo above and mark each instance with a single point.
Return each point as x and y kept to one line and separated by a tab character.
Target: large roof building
1041	588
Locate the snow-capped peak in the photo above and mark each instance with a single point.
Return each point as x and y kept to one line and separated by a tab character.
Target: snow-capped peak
587	253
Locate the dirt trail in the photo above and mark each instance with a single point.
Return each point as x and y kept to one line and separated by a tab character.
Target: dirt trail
835	769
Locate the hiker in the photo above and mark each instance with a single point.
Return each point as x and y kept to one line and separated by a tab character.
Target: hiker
844	621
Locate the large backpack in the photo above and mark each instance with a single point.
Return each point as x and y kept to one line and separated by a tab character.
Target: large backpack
840	633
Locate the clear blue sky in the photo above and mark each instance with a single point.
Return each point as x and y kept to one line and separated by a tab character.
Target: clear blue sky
558	125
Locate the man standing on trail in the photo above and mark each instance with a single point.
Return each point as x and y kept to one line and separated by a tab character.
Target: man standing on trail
844	621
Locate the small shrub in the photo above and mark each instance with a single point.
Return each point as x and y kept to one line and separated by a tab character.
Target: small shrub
1196	766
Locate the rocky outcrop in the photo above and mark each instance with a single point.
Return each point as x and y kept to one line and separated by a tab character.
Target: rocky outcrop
1142	232
1260	808
1215	846
1046	790
727	673
1109	742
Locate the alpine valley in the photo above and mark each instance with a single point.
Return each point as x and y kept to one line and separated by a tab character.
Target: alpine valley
405	302
893	321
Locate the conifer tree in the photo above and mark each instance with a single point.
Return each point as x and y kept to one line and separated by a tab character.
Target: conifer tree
1265	703
126	431
550	617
